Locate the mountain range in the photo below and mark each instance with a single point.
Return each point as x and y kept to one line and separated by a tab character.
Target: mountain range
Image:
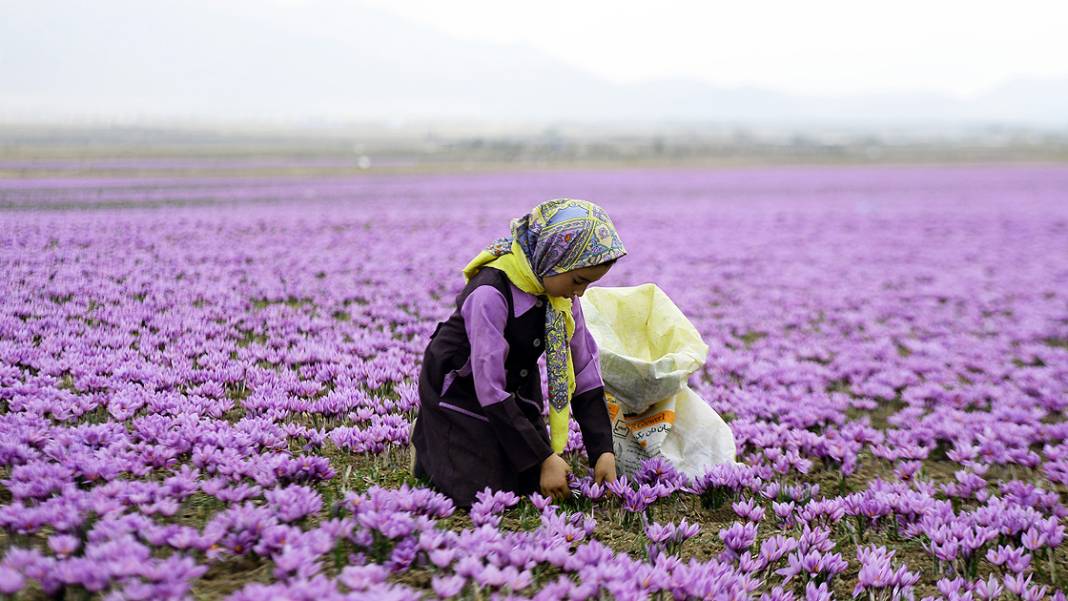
257	59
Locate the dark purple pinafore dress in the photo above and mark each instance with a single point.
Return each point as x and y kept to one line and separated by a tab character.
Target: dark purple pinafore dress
461	446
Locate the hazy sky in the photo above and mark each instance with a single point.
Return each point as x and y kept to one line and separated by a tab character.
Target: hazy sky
810	60
810	46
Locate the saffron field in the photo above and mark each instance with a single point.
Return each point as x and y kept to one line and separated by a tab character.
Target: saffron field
206	385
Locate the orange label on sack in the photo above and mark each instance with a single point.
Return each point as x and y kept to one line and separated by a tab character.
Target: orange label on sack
613	410
652	420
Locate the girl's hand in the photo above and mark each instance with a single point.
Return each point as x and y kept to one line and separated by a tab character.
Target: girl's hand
605	468
554	477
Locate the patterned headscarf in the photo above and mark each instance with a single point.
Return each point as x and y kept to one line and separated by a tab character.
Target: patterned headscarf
557	236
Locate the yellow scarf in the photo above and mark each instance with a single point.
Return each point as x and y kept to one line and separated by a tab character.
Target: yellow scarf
516	266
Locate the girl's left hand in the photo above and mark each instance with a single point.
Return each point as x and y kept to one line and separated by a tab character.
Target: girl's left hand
605	468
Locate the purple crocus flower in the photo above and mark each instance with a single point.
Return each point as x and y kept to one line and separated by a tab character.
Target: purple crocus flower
619	486
685	531
817	593
749	510
784	511
540	502
777	593
659	533
360	578
297	560
775	547
447	586
593	491
63	544
987	590
738	537
11	581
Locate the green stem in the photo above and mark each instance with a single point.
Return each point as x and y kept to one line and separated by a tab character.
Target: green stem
1052	568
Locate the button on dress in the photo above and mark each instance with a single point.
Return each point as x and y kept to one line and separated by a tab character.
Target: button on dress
480	417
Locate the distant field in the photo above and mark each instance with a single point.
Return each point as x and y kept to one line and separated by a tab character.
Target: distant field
162	151
207	366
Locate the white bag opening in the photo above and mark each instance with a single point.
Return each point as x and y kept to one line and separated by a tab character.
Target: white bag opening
648	350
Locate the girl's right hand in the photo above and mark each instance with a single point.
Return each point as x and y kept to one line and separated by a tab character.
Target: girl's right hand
554	477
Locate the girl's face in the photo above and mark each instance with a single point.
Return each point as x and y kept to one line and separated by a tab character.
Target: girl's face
574	282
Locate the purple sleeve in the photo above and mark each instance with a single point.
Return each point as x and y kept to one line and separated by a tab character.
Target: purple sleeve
485	314
584	353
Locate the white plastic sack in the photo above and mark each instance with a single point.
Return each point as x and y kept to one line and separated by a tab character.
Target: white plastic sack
700	438
648	350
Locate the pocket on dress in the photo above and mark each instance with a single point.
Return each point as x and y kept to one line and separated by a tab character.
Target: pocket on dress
464	371
530	402
462	411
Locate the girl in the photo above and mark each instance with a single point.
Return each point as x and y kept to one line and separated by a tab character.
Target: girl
480	415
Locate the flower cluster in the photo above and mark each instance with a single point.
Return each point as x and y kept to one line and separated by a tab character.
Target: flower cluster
189	388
